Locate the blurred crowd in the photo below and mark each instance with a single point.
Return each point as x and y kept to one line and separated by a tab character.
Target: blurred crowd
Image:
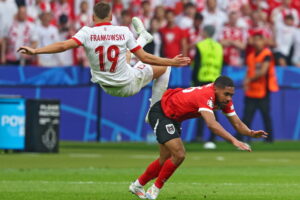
175	24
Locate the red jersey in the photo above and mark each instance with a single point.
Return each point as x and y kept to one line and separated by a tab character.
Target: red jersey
172	40
232	55
180	104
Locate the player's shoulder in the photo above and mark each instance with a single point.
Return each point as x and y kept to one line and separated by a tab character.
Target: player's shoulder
85	28
208	91
124	29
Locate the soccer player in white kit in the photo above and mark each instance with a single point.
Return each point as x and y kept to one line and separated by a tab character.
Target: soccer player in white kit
106	47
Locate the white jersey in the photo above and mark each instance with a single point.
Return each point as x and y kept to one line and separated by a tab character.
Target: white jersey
106	46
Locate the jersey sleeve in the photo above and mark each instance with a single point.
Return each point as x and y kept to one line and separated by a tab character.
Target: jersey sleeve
228	110
205	104
80	36
132	44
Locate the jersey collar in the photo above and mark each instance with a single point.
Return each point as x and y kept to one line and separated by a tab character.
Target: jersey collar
103	24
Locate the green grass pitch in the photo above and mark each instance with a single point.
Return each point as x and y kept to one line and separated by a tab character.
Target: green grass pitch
103	171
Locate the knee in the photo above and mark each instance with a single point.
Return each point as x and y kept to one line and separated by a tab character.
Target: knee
179	156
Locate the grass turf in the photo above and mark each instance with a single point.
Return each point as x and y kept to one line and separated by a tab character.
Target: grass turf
103	171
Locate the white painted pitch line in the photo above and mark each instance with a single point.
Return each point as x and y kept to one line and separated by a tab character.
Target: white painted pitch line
272	160
84	155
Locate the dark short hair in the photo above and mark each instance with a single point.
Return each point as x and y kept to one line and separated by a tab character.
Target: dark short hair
188	5
209	30
169	11
125	13
289	17
198	16
223	81
102	10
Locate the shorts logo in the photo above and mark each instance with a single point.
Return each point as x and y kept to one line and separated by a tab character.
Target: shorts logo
170	129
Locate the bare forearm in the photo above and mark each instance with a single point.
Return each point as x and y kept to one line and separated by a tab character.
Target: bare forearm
52	48
242	128
220	131
155	60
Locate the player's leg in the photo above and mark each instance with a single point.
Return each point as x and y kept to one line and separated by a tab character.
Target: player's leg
161	76
150	173
168	135
154	168
144	36
176	148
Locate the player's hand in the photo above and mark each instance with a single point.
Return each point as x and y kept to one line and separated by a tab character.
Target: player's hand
242	146
27	50
181	60
259	134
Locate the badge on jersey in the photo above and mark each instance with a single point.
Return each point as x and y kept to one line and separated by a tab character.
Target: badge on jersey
170	129
210	103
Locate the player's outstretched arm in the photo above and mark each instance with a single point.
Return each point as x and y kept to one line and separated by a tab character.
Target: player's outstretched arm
216	128
148	58
243	128
52	48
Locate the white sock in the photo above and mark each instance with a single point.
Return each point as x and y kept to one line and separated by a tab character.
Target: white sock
160	85
137	183
141	41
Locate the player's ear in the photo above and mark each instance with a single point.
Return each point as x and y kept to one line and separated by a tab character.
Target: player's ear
94	18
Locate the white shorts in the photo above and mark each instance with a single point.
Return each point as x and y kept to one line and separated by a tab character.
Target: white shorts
141	73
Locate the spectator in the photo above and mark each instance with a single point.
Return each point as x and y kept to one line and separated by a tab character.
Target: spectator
35	8
117	7
279	13
185	20
215	17
194	34
234	42
263	5
159	14
200	4
296	53
259	26
21	32
65	32
61	7
285	38
125	19
83	18
174	39
145	15
229	6
244	19
47	34
155	47
8	10
77	7
259	82
207	68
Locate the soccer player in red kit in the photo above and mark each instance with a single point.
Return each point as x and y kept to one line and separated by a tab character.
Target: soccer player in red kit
166	116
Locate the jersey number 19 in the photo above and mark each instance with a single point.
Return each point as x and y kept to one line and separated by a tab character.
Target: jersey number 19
112	57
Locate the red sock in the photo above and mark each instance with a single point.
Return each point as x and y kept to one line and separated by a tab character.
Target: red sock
151	172
166	171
